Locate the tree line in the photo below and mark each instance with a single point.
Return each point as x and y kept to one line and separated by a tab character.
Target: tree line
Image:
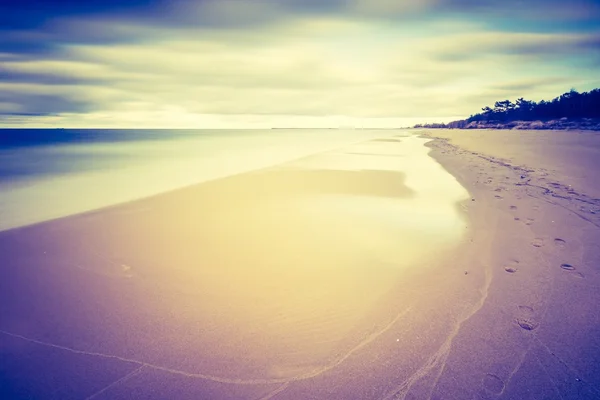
571	105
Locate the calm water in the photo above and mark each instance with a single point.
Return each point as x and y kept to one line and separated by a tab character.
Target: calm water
46	174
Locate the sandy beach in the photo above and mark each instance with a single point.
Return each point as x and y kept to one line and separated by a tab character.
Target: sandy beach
316	280
536	195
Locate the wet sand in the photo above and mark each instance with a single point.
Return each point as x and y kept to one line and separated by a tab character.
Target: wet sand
295	283
235	288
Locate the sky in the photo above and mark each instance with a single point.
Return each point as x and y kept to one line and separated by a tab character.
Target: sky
286	63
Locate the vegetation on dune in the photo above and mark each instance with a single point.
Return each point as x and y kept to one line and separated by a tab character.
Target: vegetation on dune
571	110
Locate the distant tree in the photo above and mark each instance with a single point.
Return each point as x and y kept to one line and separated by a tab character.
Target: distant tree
524	105
570	105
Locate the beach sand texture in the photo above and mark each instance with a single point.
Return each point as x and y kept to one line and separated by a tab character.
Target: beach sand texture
538	333
338	276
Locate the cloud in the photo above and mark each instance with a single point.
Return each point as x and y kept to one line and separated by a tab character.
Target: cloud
32	14
36	104
52	73
468	46
533	84
269	60
526	9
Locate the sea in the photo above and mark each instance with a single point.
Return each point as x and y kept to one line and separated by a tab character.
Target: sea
52	173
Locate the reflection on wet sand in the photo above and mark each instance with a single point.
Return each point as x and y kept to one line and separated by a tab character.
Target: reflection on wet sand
264	277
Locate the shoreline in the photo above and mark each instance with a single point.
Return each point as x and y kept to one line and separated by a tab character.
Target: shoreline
588	124
293	283
175	190
543	262
495	315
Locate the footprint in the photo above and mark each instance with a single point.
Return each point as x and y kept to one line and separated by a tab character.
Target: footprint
571	269
498	197
560	243
511	267
537	242
493	383
529	221
517	219
525	318
513	207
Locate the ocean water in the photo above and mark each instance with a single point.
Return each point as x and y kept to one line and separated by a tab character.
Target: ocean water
51	173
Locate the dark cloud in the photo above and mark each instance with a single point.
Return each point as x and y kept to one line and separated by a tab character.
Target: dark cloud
40	78
538	9
37	104
40	26
19	48
30	14
575	45
51	39
581	47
